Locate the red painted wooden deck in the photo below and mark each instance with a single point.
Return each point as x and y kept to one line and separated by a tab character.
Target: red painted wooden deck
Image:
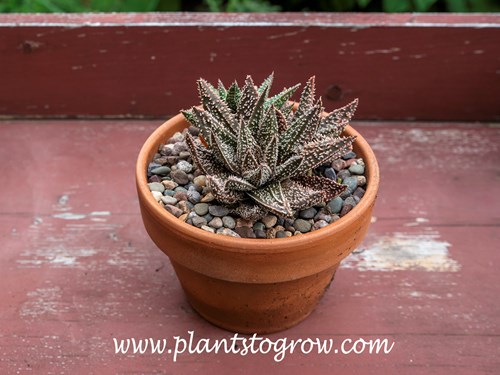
77	268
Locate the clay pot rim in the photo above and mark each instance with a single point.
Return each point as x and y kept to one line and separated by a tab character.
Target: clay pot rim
251	245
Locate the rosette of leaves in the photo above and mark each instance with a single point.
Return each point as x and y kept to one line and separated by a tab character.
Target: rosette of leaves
258	154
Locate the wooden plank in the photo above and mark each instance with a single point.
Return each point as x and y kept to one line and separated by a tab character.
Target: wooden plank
402	67
78	268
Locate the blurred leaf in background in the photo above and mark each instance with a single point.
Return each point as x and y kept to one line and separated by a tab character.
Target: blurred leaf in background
67	6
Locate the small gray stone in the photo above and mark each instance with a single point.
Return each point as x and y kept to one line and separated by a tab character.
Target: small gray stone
179	147
269	220
157	195
184	155
338	164
169	192
349	155
174	210
346	209
319	224
180	189
167	150
259	225
163	170
198	221
177	137
193	196
169	184
180	177
208	217
229	222
228	232
208	229
154	178
330	173
259	233
184	166
302	225
218	211
361	180
168	200
308	213
350	201
201	209
209	197
335	205
343	174
216	223
156	186
185	206
280	234
352	184
357	169
359	192
246	232
181	196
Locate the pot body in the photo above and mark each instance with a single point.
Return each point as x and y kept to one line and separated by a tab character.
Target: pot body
253	285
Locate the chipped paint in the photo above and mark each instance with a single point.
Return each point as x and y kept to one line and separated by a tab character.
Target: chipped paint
403	251
73	216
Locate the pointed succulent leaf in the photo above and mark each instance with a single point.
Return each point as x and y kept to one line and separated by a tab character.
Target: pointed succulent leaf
209	124
335	122
250	211
248	99
308	191
190	117
301	130
281	99
225	152
233	97
288	168
271	197
306	97
260	175
257	113
266	85
215	105
245	145
271	154
239	184
268	127
221	90
203	157
249	165
282	122
223	195
322	151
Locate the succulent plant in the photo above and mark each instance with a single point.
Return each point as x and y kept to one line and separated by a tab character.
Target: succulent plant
258	154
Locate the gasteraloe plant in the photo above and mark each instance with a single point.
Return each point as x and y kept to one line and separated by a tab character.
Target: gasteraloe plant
258	154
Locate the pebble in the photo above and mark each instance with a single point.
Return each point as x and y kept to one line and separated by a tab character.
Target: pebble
345	209
335	205
184	155
156	186
177	137
208	229
169	184
269	221
330	173
168	200
184	166
352	184
319	224
228	232
280	234
198	221
163	170
343	174
229	222
181	196
185	206
216	223
218	210
200	180
208	217
209	197
350	201
157	195
338	164
167	150
308	213
240	222
176	211
359	192
357	169
169	192
323	216
183	217
302	225
259	233
245	232
201	209
349	155
179	147
154	178
259	225
193	196
179	176
361	180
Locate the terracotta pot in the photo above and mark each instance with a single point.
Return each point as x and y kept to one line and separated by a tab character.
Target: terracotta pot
253	285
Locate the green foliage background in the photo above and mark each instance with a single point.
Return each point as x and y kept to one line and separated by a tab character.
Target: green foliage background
67	6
